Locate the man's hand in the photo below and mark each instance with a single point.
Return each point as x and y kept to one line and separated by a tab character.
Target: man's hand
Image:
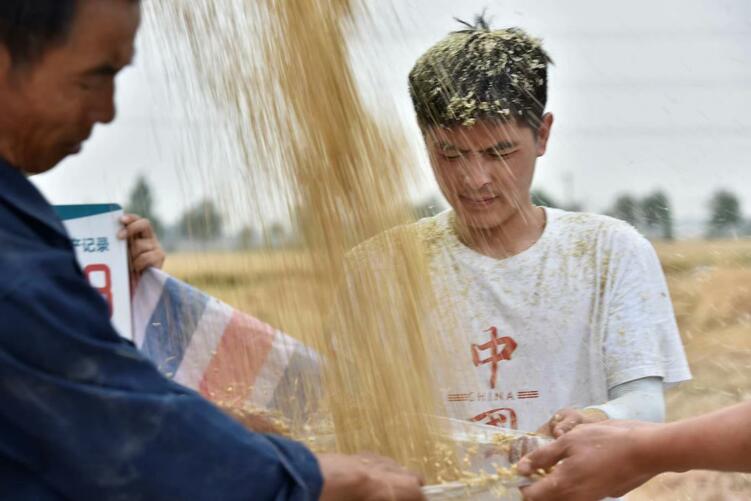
566	420
590	463
366	477
523	446
143	244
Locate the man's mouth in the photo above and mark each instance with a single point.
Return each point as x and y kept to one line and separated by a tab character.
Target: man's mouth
478	201
77	146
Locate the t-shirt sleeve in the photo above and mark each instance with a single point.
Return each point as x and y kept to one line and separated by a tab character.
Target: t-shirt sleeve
641	337
91	418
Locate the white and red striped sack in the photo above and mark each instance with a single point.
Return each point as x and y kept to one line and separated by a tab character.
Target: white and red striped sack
228	356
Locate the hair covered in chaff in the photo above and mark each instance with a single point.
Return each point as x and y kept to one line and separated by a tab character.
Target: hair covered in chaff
478	73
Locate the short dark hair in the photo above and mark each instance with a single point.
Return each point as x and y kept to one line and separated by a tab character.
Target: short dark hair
29	27
479	73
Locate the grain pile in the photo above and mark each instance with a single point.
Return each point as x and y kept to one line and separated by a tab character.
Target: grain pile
276	81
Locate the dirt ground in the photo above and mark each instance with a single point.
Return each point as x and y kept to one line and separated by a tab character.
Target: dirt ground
710	283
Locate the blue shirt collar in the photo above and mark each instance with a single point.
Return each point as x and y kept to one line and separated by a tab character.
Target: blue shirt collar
21	194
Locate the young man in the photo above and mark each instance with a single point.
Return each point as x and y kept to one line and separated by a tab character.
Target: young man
614	458
557	313
83	414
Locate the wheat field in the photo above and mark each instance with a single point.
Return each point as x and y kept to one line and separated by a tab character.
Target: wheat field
710	283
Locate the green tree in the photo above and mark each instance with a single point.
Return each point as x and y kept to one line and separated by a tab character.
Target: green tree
539	197
428	207
248	238
277	235
725	214
626	208
201	222
141	202
655	210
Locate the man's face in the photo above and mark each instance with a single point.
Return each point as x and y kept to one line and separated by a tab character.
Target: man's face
485	170
51	105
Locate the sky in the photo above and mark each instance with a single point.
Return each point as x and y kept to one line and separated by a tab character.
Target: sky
646	95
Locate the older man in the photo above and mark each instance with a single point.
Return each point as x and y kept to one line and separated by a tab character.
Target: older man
83	414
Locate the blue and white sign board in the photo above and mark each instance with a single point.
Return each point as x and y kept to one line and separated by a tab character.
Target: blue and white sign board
103	257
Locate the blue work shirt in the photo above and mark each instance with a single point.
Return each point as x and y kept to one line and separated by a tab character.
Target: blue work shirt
83	415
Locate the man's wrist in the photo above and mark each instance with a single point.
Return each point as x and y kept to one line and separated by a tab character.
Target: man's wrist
652	449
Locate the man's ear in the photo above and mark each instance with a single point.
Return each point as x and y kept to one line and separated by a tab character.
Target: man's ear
6	62
543	133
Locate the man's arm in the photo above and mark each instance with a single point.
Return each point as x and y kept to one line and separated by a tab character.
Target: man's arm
92	418
639	400
716	441
86	414
614	458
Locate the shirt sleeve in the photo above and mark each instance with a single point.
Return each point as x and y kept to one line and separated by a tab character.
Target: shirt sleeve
639	400
641	337
89	416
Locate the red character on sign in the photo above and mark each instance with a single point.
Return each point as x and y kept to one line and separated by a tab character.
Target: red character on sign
106	288
502	418
496	356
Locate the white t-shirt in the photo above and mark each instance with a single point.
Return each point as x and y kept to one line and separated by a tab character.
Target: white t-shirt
584	309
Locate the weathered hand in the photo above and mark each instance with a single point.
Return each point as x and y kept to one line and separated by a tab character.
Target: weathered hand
566	420
589	463
143	244
523	446
367	477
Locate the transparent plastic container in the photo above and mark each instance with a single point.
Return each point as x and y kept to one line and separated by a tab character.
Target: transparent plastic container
480	448
484	449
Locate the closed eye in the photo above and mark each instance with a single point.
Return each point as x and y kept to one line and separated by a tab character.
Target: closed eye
500	153
451	154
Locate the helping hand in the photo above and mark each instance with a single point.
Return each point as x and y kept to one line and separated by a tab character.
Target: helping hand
143	244
367	477
589	463
564	421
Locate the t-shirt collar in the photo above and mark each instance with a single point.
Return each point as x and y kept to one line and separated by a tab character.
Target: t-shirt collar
467	253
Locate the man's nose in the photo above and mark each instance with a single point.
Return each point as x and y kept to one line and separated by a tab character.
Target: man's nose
477	173
104	110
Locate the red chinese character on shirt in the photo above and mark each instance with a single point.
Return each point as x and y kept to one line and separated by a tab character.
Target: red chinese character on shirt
496	355
502	418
